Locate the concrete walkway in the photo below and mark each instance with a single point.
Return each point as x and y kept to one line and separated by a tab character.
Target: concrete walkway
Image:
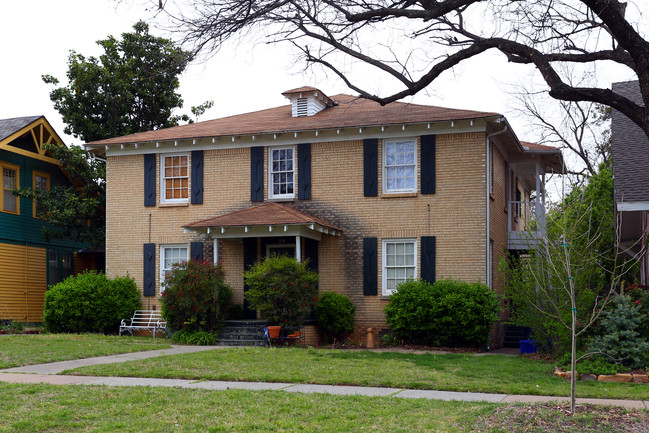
48	373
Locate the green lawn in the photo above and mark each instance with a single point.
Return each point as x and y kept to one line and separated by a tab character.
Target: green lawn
452	372
46	408
18	350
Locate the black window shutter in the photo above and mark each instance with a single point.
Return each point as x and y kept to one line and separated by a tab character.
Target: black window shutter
197	177
257	173
370	284
428	164
196	251
149	270
149	179
311	253
304	171
370	167
428	258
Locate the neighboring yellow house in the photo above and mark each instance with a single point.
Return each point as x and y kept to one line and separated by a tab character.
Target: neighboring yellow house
28	263
371	195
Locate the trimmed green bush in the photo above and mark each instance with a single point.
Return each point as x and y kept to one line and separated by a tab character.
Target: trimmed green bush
447	313
282	289
195	296
335	315
90	302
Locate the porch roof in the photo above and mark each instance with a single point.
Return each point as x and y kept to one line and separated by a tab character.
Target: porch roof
269	219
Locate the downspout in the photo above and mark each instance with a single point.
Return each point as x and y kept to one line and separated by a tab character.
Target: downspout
487	240
488	199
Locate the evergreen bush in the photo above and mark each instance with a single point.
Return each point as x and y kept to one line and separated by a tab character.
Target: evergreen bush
446	313
282	289
90	302
621	340
195	296
335	315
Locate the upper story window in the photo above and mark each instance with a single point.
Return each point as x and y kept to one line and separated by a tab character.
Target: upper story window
399	263
10	181
41	182
169	255
281	178
399	166
174	170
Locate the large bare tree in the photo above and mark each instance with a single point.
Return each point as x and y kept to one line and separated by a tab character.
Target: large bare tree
440	34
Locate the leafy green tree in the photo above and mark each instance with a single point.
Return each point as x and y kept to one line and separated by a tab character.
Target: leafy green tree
76	211
130	88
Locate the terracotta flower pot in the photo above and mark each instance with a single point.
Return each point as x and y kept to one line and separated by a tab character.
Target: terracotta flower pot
273	331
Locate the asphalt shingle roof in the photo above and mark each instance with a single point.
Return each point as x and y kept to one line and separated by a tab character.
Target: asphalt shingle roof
9	126
264	214
630	150
349	111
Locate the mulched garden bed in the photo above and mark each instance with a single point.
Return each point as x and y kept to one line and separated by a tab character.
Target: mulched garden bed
548	417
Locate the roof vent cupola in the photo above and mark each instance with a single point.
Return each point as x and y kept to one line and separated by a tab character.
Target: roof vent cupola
307	101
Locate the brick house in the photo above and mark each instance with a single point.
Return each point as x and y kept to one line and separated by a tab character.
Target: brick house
370	194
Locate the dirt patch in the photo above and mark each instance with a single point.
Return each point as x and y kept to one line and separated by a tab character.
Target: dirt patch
549	417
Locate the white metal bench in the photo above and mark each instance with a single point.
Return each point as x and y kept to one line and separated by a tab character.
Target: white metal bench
143	320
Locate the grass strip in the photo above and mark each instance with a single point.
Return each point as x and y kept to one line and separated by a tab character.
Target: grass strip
47	408
448	372
23	349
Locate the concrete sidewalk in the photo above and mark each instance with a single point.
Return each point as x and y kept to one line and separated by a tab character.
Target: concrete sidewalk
47	373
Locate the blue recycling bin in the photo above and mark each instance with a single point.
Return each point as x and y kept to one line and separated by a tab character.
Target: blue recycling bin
528	346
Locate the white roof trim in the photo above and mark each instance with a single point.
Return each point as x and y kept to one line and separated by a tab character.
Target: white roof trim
630	206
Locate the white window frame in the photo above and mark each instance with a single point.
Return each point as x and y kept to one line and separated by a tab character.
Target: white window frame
163	248
385	167
384	266
270	172
163	190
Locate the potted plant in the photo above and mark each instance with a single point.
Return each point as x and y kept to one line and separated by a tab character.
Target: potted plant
282	289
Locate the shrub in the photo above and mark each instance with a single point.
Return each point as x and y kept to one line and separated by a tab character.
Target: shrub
90	302
199	338
447	313
282	289
597	365
194	296
335	314
621	341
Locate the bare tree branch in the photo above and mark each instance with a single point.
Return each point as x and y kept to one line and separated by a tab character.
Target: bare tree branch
544	34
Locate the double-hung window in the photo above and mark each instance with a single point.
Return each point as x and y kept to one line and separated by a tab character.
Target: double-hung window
282	172
174	170
169	255
10	181
399	166
399	263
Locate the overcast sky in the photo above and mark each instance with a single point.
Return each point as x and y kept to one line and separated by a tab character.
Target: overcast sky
37	35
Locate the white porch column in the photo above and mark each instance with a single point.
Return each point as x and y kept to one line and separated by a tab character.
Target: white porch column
539	207
216	251
298	248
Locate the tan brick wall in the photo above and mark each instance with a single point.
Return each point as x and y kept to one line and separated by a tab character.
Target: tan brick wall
457	215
